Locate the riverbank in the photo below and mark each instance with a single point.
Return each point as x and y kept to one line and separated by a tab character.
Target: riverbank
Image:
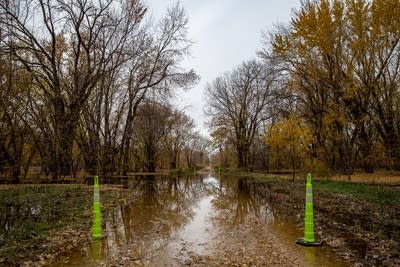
46	223
360	222
41	223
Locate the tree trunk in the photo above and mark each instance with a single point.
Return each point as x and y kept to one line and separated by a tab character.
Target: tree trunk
91	154
392	145
365	148
345	155
150	164
64	149
174	160
242	154
65	125
17	145
293	161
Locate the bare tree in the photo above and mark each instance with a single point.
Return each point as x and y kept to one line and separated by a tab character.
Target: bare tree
194	149
157	70
151	71
179	130
240	101
152	126
67	46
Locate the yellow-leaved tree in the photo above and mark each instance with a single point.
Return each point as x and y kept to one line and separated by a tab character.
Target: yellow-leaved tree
288	140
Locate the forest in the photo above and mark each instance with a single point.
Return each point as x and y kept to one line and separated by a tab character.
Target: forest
322	94
86	87
100	166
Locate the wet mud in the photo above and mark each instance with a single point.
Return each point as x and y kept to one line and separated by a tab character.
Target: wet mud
203	220
362	233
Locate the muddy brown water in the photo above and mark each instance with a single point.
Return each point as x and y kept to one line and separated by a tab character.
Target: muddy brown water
203	220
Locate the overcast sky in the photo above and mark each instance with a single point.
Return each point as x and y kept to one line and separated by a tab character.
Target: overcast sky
225	32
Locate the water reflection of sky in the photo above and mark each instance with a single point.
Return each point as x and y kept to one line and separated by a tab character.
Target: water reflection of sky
165	220
211	181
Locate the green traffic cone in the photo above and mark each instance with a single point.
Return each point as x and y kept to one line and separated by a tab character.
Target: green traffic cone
309	239
96	227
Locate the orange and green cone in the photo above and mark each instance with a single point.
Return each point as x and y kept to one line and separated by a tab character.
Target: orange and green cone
309	239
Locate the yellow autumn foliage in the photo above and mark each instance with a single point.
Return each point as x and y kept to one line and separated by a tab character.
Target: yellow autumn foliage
288	140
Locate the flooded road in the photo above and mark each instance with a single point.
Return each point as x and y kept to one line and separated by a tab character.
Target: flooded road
203	220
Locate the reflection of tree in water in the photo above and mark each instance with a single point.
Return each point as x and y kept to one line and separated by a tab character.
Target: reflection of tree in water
245	202
157	208
239	200
149	189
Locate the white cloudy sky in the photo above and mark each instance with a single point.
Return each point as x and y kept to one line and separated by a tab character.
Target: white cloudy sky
225	32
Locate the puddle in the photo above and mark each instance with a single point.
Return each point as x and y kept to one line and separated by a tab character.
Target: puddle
198	221
192	239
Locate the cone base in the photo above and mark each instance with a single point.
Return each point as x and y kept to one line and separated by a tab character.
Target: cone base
301	241
97	236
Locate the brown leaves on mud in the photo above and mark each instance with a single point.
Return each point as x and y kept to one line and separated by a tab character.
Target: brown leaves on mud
59	245
61	225
362	232
359	231
251	244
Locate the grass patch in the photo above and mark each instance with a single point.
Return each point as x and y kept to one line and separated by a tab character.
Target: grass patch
372	194
31	214
28	214
260	177
180	171
369	193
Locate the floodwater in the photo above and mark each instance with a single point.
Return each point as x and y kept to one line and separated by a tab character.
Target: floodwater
203	220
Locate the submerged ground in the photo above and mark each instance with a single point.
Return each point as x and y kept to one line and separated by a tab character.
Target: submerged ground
201	220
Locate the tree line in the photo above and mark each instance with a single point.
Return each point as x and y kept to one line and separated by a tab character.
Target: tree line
323	93
86	85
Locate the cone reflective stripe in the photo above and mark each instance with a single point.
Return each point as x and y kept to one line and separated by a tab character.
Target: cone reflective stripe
309	213
309	239
96	227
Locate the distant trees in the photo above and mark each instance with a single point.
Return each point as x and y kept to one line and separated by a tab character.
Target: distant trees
76	74
338	65
195	149
238	103
162	134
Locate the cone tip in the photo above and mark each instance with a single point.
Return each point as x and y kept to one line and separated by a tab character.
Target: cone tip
308	177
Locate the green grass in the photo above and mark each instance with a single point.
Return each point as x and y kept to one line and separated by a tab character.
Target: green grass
258	177
28	214
180	171
369	193
372	194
